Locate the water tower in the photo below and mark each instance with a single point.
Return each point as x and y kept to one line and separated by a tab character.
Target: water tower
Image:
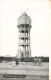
24	26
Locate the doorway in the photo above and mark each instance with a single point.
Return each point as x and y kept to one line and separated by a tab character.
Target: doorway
22	55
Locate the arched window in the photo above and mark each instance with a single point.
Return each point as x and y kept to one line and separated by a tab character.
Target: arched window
22	55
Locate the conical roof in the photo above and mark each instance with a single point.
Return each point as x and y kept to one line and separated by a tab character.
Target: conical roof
24	19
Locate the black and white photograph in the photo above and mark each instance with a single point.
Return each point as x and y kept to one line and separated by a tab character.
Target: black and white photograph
25	39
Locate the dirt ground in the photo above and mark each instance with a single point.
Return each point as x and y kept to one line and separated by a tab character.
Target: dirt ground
32	71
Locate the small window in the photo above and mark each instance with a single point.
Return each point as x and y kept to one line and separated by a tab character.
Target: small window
26	41
22	26
26	47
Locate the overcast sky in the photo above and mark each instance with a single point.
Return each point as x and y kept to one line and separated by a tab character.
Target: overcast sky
39	12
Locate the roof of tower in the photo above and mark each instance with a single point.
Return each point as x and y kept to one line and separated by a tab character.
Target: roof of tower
24	19
24	15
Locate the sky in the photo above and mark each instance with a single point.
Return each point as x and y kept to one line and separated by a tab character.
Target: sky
40	33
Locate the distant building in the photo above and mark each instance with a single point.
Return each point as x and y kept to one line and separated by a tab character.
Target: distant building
24	26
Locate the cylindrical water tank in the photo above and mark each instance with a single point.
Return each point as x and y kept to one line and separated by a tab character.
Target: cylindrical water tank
24	19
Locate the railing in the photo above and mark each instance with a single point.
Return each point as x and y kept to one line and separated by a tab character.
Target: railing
24	36
24	50
24	43
23	29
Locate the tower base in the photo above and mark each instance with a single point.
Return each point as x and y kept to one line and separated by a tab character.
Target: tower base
23	54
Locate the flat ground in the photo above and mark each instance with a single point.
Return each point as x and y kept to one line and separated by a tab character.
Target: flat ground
29	69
